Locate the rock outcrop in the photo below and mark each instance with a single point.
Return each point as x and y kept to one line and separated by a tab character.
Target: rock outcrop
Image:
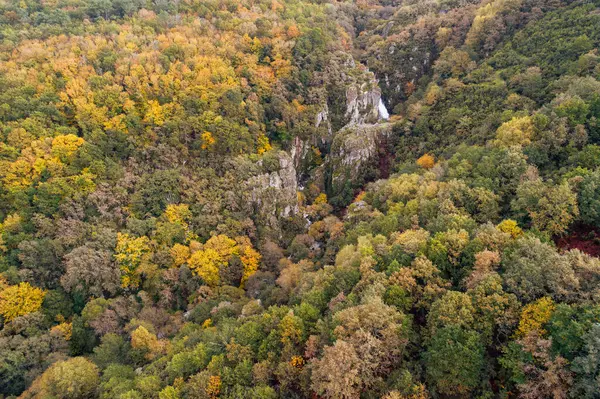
273	194
353	98
358	155
362	103
354	95
343	151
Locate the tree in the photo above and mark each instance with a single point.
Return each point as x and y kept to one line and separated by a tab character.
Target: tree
496	311
130	254
589	198
249	257
483	34
550	208
423	280
19	300
214	386
27	348
215	255
112	349
376	332
75	378
146	342
587	270
529	83
511	227
568	325
485	264
587	366
534	316
337	374
413	241
188	362
180	254
452	309
453	63
426	161
546	375
516	132
41	258
572	107
155	191
271	254
91	271
454	361
64	147
533	269
221	252
99	8
206	263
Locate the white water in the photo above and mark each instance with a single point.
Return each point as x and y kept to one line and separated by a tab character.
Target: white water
383	112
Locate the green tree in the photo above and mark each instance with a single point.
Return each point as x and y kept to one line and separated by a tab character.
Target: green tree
587	366
533	269
550	208
589	198
454	361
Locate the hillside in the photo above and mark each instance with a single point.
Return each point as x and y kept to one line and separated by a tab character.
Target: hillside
392	199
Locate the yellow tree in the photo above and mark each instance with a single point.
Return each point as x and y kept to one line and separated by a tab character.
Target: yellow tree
155	113
216	254
511	227
426	161
516	132
263	144
19	300
49	155
130	254
180	254
535	315
144	340
250	258
206	263
64	147
207	140
181	215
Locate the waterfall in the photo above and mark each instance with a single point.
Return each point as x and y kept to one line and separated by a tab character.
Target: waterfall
383	112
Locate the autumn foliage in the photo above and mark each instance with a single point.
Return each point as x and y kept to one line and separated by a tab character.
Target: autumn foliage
19	300
205	199
426	161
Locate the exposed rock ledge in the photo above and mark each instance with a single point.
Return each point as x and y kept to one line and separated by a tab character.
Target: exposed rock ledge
357	155
274	194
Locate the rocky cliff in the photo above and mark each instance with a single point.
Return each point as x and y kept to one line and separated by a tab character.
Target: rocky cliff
358	155
273	193
353	103
346	149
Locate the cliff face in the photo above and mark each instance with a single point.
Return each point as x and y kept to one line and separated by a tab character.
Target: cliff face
362	103
353	98
345	150
354	95
273	194
355	149
358	155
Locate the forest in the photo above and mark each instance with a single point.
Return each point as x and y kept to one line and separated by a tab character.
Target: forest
321	199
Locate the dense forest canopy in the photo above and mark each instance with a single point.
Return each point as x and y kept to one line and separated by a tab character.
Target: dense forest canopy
263	199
